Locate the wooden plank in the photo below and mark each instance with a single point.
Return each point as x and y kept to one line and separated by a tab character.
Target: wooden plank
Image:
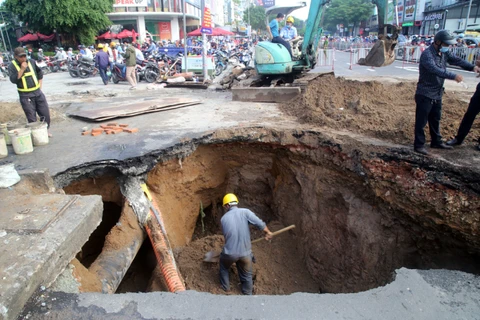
144	112
124	110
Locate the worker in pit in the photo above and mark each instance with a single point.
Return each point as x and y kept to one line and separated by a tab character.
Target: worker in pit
28	77
238	247
428	97
273	29
289	32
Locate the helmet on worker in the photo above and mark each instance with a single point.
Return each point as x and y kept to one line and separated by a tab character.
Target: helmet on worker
112	44
444	36
290	19
230	199
100	46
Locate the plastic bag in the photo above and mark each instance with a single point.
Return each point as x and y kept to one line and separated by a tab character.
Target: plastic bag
8	175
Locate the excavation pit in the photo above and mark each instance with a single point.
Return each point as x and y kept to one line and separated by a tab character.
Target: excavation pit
355	224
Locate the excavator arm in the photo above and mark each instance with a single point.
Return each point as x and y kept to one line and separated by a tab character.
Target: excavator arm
313	32
383	52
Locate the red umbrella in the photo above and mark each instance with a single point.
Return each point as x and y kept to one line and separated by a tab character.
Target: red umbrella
125	34
221	32
195	33
46	38
107	36
28	37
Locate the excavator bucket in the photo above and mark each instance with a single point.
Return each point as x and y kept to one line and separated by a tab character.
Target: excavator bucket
382	53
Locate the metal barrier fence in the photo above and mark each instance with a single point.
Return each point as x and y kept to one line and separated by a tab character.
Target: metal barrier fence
356	54
343	46
411	54
326	57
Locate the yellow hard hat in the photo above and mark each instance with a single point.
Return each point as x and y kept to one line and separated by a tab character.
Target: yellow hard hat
290	19
100	46
112	44
229	198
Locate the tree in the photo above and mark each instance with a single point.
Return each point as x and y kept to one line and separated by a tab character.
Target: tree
347	12
82	18
257	17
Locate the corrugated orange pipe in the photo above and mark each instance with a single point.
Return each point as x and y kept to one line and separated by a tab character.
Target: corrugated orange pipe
158	237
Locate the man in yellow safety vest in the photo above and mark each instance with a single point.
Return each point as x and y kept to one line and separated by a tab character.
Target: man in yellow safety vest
28	77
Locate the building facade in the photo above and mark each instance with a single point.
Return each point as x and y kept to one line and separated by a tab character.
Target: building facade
163	19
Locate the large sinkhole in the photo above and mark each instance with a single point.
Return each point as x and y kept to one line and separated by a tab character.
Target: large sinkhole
351	232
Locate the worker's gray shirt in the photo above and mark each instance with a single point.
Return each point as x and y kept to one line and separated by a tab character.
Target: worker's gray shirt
236	232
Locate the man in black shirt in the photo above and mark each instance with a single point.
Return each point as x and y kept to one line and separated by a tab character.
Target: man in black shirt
428	97
28	77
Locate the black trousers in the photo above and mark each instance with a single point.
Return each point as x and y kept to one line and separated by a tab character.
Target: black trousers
428	110
285	43
469	117
34	103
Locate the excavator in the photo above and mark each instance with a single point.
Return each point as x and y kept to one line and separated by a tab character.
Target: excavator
272	60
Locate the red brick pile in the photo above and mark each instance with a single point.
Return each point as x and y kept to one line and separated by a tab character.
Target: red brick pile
109	128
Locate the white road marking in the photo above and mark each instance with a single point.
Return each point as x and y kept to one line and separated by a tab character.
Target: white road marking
414	69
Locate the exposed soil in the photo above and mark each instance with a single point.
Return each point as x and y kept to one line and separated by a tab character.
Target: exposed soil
279	268
12	112
358	219
382	110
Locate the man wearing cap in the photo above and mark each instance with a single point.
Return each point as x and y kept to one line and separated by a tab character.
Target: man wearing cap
28	77
428	97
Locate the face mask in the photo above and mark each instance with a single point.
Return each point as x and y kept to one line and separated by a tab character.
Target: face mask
444	49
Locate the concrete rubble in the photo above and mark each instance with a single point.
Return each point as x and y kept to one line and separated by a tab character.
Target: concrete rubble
39	237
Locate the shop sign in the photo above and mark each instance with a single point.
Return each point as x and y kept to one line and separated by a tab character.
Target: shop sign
433	16
207	22
409	12
165	30
130	3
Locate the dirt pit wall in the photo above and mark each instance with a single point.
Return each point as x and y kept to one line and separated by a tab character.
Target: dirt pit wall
354	226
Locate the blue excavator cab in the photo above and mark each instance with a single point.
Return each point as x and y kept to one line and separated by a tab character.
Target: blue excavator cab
274	58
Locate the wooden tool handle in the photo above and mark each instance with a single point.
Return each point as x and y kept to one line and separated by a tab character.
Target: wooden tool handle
275	233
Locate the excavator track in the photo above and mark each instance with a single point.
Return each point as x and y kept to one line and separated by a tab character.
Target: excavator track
272	91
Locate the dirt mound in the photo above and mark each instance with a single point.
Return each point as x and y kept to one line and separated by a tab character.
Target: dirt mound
382	110
278	268
13	112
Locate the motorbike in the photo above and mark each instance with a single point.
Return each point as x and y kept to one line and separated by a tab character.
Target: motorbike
119	73
56	66
4	70
221	62
245	57
152	70
73	69
42	64
86	68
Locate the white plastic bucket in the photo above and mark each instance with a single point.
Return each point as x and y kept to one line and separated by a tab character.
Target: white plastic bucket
21	140
3	146
39	133
4	129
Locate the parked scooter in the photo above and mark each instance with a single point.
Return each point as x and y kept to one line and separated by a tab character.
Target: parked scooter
119	73
4	70
42	64
86	68
221	62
